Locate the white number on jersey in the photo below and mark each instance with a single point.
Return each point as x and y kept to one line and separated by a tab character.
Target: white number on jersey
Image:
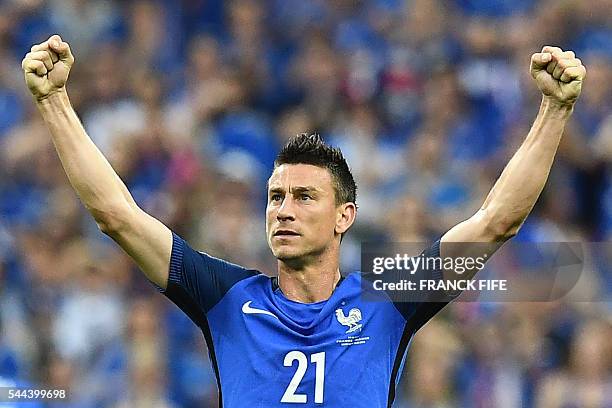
319	361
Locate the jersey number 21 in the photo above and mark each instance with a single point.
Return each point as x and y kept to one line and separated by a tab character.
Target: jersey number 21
318	359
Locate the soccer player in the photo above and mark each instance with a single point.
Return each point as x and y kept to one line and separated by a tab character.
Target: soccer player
305	337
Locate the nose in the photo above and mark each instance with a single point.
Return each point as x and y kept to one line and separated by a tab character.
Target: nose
286	210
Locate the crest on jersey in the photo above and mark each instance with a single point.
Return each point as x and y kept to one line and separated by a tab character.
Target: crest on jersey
352	321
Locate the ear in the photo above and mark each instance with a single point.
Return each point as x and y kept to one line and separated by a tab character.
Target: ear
345	217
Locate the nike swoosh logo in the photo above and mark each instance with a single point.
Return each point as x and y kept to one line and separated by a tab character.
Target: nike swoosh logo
247	309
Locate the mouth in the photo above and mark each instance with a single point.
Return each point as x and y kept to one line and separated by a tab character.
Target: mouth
286	233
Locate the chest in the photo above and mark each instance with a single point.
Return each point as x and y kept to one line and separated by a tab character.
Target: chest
301	355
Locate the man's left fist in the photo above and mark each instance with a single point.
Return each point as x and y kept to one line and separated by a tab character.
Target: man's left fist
559	74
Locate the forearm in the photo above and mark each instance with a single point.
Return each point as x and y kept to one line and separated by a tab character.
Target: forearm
559	76
520	184
90	174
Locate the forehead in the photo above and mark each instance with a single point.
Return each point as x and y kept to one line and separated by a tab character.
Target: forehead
300	175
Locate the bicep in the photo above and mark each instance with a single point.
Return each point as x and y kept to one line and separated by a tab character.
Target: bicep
148	242
473	238
194	280
474	229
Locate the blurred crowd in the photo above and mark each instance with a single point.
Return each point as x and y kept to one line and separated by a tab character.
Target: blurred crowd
191	99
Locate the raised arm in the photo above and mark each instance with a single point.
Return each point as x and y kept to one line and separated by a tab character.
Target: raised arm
105	196
559	76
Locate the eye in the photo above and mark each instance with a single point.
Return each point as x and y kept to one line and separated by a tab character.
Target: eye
305	197
275	197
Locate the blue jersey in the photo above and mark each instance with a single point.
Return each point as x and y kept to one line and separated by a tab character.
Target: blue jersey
268	351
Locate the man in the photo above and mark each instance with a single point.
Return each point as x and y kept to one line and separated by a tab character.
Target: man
307	337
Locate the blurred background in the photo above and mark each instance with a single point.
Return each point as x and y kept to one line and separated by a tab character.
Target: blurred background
191	99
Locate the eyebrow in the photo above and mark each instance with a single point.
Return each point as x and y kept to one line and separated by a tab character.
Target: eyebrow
296	189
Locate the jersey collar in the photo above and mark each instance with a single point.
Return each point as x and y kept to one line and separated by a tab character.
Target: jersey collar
276	287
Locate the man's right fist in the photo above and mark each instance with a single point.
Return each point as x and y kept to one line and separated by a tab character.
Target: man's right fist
46	67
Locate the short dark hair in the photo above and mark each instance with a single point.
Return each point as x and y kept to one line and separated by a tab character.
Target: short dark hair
307	148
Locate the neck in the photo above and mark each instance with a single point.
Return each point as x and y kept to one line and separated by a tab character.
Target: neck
311	282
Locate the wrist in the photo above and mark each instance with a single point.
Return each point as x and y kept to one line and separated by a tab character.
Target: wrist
553	106
53	103
52	97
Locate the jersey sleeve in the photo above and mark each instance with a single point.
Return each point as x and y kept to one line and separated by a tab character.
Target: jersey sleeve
197	281
419	311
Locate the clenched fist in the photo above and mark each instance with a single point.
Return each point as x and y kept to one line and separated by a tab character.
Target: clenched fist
46	67
559	74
